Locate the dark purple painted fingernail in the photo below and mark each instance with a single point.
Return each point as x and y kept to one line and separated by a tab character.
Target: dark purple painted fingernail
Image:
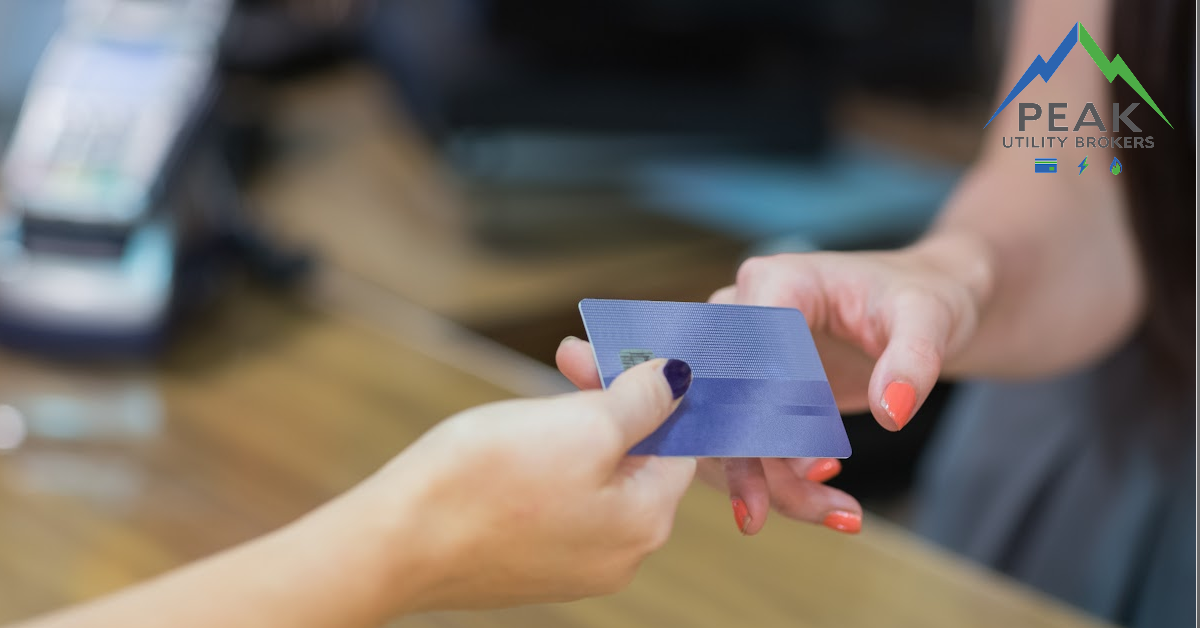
679	376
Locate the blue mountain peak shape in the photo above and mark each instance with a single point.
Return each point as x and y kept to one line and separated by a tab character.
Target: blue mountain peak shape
1040	67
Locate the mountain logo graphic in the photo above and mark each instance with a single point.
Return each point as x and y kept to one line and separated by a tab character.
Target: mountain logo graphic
1111	69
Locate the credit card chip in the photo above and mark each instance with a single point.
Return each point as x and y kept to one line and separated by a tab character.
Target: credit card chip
633	357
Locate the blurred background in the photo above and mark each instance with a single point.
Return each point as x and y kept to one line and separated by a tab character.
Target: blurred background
184	179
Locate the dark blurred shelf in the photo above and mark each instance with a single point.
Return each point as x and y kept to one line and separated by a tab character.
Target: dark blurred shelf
376	202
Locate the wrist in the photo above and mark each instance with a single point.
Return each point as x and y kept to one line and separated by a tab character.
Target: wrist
360	557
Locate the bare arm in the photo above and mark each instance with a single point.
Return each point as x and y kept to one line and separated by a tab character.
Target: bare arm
439	528
1065	279
310	574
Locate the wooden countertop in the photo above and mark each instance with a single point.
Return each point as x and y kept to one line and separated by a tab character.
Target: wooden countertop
270	407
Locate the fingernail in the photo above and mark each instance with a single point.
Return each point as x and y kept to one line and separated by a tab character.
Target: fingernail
824	470
844	521
741	515
898	401
568	340
679	376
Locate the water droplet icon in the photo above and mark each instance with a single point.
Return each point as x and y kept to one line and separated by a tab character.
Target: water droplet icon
1115	166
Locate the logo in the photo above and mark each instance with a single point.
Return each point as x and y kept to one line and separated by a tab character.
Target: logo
1115	166
1082	165
1111	69
1045	165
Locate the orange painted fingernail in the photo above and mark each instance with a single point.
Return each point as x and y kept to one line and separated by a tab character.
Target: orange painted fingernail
843	521
824	470
898	401
741	515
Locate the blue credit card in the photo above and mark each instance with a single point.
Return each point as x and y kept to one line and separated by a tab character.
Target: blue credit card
758	387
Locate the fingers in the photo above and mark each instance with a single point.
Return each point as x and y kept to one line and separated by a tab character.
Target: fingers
798	498
726	295
748	493
647	492
711	471
575	360
768	281
640	399
662	481
908	329
909	366
814	469
751	490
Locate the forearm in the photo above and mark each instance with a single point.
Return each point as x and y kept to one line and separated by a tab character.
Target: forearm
1055	290
315	573
1064	276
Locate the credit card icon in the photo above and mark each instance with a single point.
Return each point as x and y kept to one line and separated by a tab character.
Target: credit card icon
1045	165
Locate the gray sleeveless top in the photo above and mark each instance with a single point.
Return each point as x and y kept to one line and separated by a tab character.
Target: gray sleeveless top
1082	486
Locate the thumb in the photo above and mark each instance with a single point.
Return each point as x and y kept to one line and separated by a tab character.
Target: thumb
642	398
909	367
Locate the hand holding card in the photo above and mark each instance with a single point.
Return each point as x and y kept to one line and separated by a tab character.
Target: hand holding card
759	389
793	486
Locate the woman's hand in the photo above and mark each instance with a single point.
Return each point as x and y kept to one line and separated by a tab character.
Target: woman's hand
884	323
509	503
529	500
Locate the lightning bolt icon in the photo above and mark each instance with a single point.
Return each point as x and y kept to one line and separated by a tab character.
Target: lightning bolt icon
1082	165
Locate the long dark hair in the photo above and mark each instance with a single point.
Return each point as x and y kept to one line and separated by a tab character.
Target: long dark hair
1157	40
